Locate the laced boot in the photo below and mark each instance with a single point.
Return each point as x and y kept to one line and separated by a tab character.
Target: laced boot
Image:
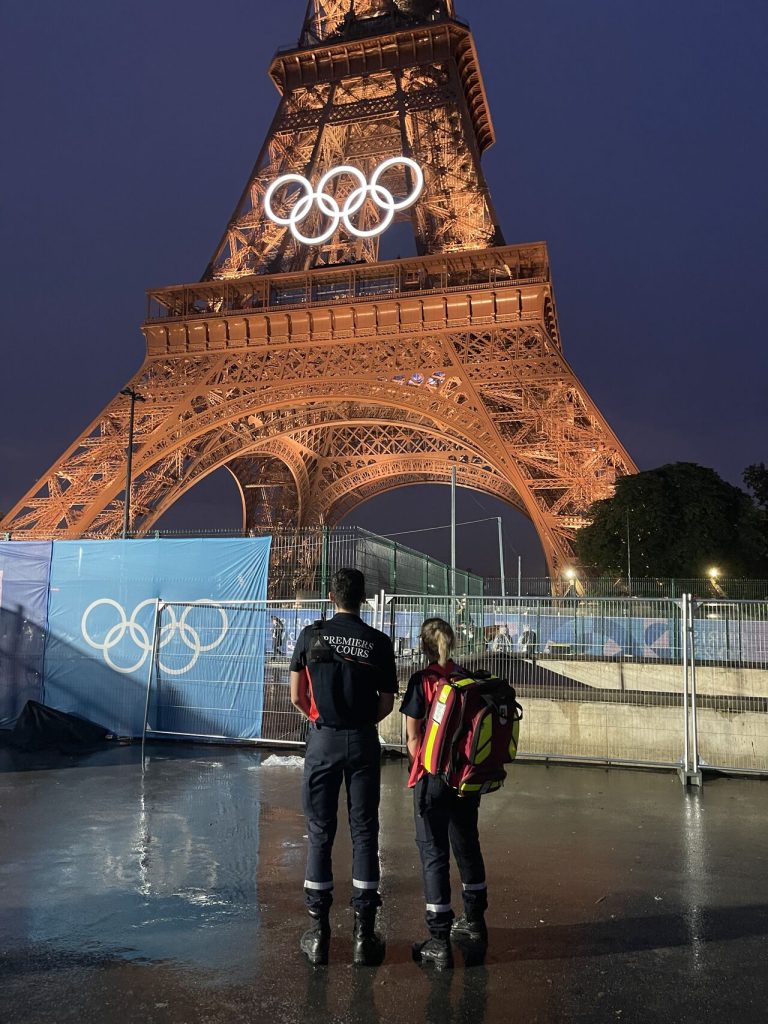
316	941
368	948
470	927
434	951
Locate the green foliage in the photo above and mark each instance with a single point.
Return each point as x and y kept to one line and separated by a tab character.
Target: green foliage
756	479
680	521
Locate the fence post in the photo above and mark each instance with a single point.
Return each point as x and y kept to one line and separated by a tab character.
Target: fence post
152	660
324	566
695	778
690	774
684	666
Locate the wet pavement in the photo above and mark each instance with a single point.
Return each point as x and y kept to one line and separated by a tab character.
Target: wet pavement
175	897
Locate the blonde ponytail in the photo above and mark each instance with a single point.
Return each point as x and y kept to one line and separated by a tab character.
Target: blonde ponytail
437	640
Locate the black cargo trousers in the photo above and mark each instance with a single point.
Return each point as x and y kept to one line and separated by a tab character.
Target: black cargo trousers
354	757
446	822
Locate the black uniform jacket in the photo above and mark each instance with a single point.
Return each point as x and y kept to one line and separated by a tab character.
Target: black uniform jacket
345	686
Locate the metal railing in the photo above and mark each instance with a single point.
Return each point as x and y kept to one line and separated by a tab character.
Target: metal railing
701	588
680	684
501	267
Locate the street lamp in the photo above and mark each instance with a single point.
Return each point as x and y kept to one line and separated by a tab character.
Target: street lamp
713	573
134	397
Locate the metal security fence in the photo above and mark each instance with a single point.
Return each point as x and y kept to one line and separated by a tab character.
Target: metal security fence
678	683
220	670
575	667
729	676
304	561
577	584
675	683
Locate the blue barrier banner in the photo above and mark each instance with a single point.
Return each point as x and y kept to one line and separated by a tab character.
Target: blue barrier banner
209	677
24	572
592	636
102	618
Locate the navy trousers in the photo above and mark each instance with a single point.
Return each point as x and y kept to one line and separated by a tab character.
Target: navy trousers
333	756
447	823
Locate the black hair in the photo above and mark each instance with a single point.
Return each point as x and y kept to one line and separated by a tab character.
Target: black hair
348	587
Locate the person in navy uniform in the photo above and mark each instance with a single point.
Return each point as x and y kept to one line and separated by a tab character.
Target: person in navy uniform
444	820
344	680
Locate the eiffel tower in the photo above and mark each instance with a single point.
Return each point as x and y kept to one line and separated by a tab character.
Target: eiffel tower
320	375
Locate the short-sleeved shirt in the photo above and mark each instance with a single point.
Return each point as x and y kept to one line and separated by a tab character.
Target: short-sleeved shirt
344	693
416	703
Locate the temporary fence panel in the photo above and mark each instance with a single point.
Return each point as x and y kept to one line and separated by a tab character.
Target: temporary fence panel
608	681
238	685
730	663
703	588
597	681
102	617
24	580
208	677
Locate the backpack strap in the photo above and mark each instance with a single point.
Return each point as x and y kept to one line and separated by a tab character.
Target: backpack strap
319	648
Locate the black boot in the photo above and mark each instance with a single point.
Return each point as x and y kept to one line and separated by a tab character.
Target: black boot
316	941
368	948
470	927
434	951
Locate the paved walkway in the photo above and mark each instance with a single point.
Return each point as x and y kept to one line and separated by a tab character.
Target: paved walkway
175	898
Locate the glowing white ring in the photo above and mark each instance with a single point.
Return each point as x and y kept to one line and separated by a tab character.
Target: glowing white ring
328	206
188	634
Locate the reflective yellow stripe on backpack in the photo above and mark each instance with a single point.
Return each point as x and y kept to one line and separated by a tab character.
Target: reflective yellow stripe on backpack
484	740
431	762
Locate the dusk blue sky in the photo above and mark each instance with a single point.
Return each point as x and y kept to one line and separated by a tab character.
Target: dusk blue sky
631	137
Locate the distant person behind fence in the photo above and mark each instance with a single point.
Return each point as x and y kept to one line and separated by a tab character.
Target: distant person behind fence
502	642
344	679
465	625
526	642
278	632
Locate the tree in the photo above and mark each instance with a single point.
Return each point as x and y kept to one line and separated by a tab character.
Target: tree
678	521
756	479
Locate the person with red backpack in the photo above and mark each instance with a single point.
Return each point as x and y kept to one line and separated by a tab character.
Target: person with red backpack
444	819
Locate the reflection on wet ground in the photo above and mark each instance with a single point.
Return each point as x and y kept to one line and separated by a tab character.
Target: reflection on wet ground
175	897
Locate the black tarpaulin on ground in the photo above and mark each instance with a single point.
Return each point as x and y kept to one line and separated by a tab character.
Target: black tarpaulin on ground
42	728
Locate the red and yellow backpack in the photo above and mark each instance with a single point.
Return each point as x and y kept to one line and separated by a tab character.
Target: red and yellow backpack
472	731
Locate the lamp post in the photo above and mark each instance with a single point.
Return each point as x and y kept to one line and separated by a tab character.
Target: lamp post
134	397
629	558
501	561
453	531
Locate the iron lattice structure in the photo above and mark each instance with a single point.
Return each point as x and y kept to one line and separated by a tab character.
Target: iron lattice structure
321	376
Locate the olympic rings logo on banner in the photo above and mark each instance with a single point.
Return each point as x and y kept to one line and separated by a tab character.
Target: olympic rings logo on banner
319	199
189	636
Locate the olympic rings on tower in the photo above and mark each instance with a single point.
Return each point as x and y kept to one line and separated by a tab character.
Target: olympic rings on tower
319	199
